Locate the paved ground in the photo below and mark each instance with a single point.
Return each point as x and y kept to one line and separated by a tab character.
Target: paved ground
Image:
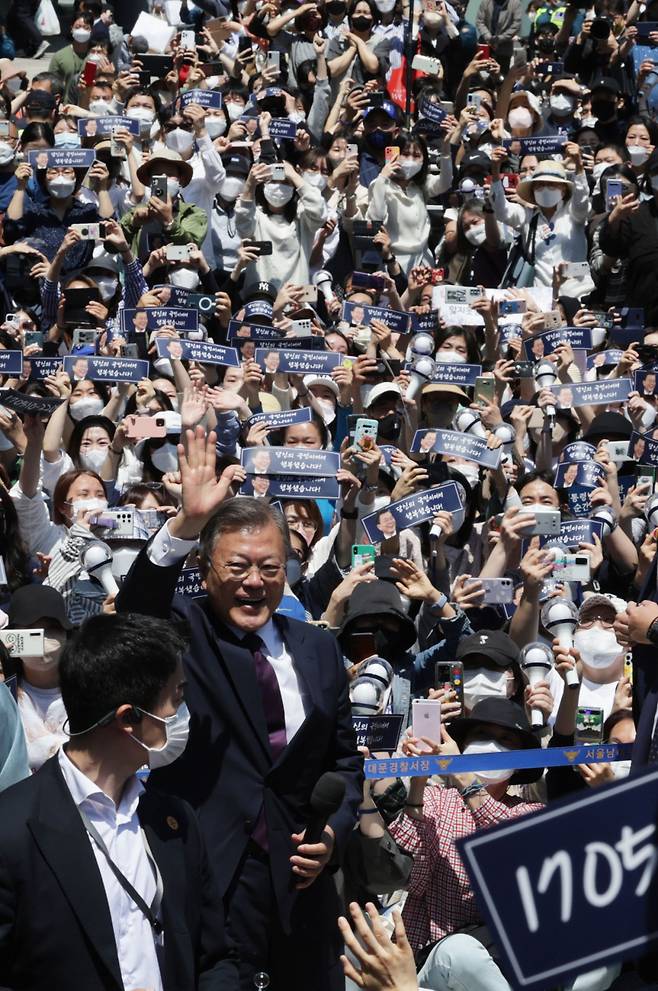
32	66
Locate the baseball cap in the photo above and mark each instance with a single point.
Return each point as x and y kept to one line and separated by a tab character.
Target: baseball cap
608	83
260	290
381	389
324	380
389	108
34	602
494	644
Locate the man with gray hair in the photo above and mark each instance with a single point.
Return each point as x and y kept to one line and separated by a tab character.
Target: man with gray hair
270	715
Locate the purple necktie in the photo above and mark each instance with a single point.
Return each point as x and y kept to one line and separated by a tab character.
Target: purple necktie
274	717
270	695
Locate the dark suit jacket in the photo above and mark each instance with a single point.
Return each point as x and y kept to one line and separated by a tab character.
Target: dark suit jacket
55	925
645	681
226	772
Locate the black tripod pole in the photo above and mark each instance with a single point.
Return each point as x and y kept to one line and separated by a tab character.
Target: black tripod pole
410	52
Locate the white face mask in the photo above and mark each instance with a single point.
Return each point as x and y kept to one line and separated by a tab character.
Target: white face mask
173	188
548	197
277	193
101	107
297	116
235	110
184	278
409	167
520	117
61	188
89	406
179	140
380	502
7	153
163	366
53	646
94	459
588	121
488	747
598	648
141	114
81	35
484	683
315	179
231	188
165	458
561	104
216	126
84	505
476	235
450	357
177	731
598	169
470	472
328	410
638	153
385	6
107	286
65	139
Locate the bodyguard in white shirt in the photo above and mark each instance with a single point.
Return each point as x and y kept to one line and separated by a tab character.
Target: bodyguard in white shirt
104	885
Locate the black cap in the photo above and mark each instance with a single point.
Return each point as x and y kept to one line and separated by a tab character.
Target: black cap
608	426
374	598
475	160
236	164
260	290
498	711
607	82
34	602
494	644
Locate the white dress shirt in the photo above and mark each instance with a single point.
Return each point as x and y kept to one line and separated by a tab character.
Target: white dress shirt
120	830
165	550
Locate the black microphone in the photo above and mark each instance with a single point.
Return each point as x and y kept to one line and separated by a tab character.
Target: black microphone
327	798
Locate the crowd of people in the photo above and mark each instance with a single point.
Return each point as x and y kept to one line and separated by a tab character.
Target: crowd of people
328	344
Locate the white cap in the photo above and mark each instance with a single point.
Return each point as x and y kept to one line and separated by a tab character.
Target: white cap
324	380
381	389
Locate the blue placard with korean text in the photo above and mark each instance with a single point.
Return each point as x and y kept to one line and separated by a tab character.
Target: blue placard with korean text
289	461
455	373
282	127
41	368
577	337
361	315
579	500
205	352
189	583
290	487
298	362
454	442
251	331
599	393
584	473
210	98
380	732
11	362
643	448
90	127
98	369
549	144
579	450
411	511
148	318
571	888
22	403
60	158
282	418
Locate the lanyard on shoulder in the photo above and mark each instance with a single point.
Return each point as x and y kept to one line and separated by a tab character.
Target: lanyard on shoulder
150	911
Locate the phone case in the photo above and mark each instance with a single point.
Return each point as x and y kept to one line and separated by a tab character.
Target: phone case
426	721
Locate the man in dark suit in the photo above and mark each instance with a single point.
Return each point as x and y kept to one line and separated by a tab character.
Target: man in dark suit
104	886
638	627
270	714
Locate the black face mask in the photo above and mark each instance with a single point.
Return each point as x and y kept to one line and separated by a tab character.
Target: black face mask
390	426
385	642
545	45
335	7
603	109
361	23
293	570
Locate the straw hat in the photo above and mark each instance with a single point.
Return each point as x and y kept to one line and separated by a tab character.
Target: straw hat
546	172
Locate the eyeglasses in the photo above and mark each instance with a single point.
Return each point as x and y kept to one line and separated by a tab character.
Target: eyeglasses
238	572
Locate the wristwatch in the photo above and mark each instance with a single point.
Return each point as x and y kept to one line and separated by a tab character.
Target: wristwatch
437	607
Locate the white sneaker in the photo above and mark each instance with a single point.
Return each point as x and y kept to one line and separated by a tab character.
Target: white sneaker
43	47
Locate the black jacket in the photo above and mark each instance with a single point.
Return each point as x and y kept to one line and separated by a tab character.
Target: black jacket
636	239
226	771
55	925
